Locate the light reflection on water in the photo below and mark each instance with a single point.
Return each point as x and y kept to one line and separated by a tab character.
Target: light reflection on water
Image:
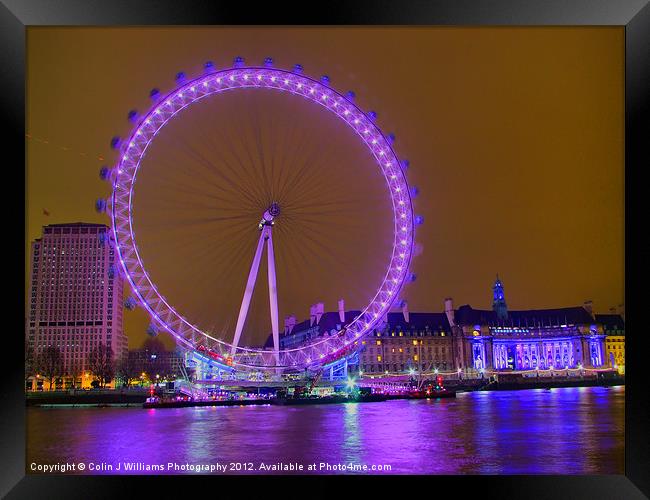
563	431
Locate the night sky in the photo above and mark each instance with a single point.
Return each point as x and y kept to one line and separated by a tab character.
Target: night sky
515	138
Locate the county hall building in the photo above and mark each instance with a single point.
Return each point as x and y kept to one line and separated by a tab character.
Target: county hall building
475	340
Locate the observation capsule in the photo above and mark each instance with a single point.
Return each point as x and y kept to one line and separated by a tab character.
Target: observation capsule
130	303
104	173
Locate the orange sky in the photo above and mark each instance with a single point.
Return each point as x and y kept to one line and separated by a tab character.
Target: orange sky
515	137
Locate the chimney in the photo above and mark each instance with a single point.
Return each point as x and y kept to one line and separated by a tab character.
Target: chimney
320	309
405	311
449	311
315	313
289	323
588	306
312	314
342	310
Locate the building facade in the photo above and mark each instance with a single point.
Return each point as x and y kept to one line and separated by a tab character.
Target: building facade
408	342
473	341
614	328
538	339
75	296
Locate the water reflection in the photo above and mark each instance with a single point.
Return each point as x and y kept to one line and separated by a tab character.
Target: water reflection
562	431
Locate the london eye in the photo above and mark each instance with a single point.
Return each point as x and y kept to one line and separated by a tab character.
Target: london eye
256	188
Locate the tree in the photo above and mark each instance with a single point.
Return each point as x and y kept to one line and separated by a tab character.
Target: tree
75	370
30	361
127	370
50	364
100	363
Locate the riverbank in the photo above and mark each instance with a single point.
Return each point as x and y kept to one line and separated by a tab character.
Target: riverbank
137	397
87	398
522	383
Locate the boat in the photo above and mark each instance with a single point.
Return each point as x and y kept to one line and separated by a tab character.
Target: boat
361	398
431	394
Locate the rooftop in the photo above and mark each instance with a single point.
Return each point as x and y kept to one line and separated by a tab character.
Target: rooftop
465	315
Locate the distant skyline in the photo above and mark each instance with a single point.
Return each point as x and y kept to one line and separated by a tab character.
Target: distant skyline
515	138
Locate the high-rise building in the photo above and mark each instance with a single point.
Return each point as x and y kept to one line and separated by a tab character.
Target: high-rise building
76	295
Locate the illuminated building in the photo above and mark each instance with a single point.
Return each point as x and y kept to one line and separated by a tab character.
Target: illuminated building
501	340
75	295
409	342
614	328
474	340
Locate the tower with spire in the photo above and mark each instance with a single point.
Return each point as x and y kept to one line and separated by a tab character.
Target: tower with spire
499	302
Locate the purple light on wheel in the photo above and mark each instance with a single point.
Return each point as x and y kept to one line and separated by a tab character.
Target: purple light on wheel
294	83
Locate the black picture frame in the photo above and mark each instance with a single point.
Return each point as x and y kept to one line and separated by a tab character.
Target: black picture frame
633	15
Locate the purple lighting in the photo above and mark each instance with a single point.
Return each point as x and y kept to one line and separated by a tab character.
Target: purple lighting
290	82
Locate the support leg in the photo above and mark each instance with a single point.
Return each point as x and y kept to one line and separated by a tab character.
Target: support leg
248	293
273	296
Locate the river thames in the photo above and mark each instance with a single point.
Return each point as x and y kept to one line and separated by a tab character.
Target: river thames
561	431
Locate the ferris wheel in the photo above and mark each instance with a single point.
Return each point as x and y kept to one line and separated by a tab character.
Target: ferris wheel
227	349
